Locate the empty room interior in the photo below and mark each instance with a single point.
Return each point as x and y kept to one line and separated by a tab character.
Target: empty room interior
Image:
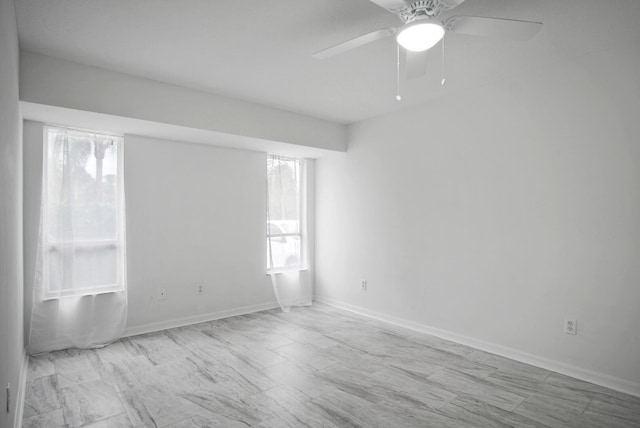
329	213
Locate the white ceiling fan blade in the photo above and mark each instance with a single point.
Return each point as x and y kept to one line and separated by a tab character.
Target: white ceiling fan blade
354	43
390	5
493	27
415	64
448	4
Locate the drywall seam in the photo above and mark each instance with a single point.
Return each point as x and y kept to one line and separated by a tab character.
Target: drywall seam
601	379
182	322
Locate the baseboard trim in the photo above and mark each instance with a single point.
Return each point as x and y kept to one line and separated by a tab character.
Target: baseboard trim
22	388
211	316
601	379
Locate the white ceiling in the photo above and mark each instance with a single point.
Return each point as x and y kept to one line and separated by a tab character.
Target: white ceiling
260	50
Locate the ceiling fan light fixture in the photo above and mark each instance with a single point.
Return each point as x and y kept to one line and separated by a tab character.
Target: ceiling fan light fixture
420	35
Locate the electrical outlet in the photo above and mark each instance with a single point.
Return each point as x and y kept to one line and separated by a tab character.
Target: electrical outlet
364	285
571	326
162	294
200	288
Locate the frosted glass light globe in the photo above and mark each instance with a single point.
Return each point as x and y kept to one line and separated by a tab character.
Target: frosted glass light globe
419	36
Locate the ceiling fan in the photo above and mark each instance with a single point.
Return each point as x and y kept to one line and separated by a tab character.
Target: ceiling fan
422	29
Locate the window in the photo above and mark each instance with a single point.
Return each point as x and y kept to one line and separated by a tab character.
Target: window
82	237
285	214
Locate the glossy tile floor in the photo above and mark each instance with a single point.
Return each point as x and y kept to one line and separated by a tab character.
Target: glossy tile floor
312	367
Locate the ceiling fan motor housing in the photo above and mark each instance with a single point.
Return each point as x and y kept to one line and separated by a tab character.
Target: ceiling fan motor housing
423	9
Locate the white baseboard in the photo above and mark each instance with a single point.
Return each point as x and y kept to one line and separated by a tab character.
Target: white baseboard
181	322
20	393
618	384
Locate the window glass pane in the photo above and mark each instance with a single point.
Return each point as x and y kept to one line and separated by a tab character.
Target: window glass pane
85	268
286	251
82	186
274	229
283	176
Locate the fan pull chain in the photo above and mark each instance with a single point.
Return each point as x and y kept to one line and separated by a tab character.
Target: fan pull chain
444	80
398	97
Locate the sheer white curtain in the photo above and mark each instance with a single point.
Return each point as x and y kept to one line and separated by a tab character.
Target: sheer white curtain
287	236
80	293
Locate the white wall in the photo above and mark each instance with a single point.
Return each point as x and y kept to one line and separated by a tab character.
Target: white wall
195	213
56	82
496	213
11	330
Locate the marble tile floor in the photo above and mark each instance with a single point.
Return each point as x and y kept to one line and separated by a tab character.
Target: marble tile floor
311	367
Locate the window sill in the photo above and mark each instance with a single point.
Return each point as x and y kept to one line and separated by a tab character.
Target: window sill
287	270
62	296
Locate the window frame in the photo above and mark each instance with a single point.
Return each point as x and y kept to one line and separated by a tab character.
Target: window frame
302	221
51	245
